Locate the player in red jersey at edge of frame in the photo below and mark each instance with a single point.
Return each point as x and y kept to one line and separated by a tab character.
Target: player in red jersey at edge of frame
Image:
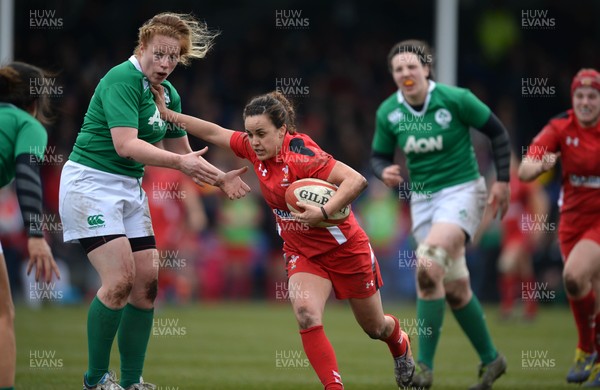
574	136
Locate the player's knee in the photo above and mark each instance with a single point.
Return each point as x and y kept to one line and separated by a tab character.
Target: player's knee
573	285
457	295
152	290
307	318
425	280
118	294
375	330
458	292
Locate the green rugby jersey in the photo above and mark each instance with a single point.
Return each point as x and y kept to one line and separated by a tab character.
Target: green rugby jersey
435	140
20	133
123	99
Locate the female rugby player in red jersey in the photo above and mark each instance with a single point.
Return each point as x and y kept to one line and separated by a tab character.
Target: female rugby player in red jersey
317	259
574	136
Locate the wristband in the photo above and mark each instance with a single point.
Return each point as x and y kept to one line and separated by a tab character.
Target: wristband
34	232
324	213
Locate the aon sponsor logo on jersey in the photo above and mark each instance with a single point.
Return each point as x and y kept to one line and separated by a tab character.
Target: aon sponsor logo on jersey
423	145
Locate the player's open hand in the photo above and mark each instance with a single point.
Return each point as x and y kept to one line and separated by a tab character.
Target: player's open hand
308	214
499	199
196	167
40	257
391	176
232	185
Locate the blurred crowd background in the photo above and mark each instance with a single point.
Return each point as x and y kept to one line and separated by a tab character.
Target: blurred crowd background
211	248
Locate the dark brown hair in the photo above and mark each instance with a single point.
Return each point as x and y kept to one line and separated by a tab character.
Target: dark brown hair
15	80
276	106
194	37
420	48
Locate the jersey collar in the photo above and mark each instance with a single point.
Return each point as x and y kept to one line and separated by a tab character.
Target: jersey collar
135	63
401	100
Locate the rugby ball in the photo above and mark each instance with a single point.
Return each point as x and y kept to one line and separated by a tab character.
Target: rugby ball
315	192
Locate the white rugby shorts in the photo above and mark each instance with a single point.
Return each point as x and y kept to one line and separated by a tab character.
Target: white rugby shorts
94	203
462	204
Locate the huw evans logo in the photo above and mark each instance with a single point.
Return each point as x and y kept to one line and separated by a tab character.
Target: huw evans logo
44	19
39	86
44	359
290	19
291	86
537	19
95	221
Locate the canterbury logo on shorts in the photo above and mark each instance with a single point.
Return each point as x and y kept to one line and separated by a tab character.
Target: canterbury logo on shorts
95	221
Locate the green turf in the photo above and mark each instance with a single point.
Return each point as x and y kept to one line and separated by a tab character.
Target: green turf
245	346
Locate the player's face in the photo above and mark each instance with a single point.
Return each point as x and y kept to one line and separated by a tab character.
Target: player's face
586	104
159	57
264	137
410	76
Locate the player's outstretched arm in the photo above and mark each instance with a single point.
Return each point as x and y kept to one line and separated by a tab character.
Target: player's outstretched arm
208	131
230	183
128	145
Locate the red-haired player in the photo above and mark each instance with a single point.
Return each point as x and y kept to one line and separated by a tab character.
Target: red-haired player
574	136
318	260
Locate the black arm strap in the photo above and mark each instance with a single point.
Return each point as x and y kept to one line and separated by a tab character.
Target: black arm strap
29	193
379	162
496	132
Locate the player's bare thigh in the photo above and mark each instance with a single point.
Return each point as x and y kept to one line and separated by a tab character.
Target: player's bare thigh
308	294
582	266
448	236
515	259
114	263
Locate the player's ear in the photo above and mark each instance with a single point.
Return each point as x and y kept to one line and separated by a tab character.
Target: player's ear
282	130
426	70
142	47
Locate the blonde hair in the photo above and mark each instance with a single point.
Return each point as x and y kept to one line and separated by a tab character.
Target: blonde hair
194	37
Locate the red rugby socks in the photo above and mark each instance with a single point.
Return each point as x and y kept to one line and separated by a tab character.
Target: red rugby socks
583	311
321	356
395	341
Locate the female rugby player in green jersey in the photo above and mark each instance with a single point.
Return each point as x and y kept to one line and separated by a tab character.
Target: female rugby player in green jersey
430	122
102	204
22	144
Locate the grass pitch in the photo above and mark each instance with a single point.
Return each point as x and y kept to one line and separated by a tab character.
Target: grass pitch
257	346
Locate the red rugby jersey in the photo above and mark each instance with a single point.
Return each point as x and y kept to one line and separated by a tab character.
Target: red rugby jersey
512	223
300	158
580	160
